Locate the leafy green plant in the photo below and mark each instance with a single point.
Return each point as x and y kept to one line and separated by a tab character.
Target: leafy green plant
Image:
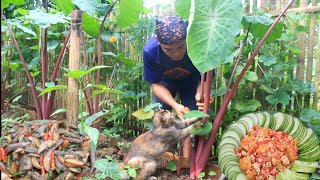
131	171
107	168
93	133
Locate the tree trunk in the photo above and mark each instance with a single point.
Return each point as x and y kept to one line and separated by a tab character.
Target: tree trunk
74	64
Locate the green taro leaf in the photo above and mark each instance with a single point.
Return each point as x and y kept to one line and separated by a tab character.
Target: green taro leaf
20	26
90	7
308	115
129	12
248	106
66	6
6	3
195	113
52	88
260	25
152	106
204	130
90	25
52	45
213	26
183	8
278	97
44	20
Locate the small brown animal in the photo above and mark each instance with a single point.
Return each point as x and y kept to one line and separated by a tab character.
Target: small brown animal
166	132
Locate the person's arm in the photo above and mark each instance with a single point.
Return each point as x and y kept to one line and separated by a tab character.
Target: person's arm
165	96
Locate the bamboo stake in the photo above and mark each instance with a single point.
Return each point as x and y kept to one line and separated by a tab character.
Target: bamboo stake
317	76
301	57
74	64
310	53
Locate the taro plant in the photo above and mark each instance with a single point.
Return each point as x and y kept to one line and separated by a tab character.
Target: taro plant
209	49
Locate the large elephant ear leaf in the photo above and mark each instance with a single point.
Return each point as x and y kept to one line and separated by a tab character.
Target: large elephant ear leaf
213	26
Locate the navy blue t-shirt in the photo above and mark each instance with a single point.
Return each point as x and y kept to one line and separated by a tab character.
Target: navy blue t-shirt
158	67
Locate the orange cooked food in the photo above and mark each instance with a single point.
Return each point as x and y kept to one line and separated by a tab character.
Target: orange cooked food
265	152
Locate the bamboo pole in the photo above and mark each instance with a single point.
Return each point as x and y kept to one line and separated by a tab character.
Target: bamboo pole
301	57
317	77
310	53
310	9
74	64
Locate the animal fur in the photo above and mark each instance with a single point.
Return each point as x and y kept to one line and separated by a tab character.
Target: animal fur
145	148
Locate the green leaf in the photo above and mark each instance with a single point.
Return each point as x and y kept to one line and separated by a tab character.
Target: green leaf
66	6
49	84
132	172
22	11
204	130
183	8
195	113
278	97
20	26
152	106
143	115
201	175
90	7
248	106
53	88
93	133
213	26
267	60
93	117
251	76
128	62
307	115
52	45
16	99
221	91
61	110
211	173
34	74
90	25
44	20
5	3
129	12
77	74
101	164
172	165
260	25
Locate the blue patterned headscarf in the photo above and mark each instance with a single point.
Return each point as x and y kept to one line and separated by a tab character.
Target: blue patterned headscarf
170	29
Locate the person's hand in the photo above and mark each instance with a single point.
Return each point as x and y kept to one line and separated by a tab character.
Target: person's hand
201	104
180	110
